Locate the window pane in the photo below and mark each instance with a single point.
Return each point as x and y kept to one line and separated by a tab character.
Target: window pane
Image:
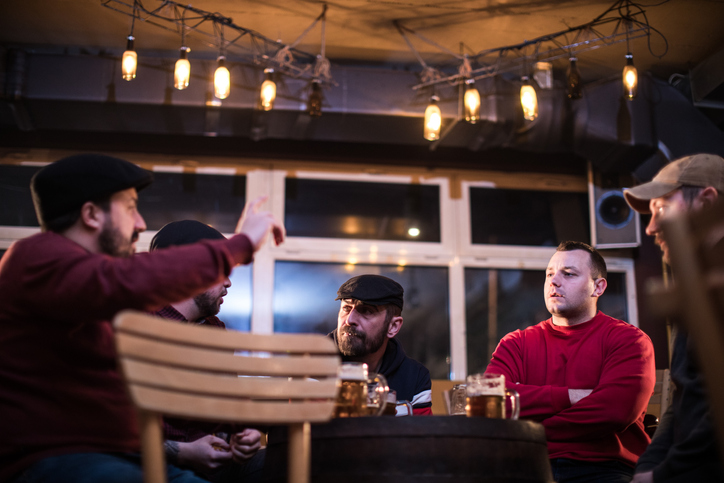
216	200
304	294
373	211
535	218
236	309
15	198
500	301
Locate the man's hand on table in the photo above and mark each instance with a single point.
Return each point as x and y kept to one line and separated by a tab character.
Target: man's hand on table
245	444
201	456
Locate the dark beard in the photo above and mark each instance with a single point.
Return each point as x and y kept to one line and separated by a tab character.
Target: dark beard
207	305
358	344
111	242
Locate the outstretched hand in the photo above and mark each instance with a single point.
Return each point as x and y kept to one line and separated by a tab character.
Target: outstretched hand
256	225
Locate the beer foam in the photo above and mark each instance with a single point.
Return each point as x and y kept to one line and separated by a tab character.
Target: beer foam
353	371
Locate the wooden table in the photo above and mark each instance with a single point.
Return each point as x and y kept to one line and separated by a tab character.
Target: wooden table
419	449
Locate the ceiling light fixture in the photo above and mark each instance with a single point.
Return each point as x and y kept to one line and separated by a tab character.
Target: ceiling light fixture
222	79
573	80
528	100
314	104
268	91
472	102
433	119
182	71
630	78
129	61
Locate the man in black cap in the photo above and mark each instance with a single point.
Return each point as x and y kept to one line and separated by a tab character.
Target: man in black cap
370	316
219	452
684	447
66	416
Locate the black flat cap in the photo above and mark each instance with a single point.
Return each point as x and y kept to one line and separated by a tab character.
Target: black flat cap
183	232
372	289
66	184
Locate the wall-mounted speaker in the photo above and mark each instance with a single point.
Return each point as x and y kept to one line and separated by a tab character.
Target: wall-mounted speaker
613	223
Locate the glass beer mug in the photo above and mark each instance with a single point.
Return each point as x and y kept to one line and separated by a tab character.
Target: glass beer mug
486	395
359	393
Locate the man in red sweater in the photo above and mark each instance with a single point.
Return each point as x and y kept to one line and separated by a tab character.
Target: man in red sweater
64	412
585	376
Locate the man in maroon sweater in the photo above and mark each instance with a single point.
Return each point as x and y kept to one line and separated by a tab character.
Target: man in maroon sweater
64	412
219	452
585	376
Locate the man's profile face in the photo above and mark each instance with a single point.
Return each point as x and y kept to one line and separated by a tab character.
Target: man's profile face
121	225
661	209
209	302
569	284
361	328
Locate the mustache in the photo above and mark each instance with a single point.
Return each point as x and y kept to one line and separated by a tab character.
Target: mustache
351	331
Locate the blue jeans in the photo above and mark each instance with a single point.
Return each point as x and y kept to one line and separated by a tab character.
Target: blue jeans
572	471
96	468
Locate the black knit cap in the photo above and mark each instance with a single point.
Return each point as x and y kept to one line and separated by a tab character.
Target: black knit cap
183	232
372	289
66	184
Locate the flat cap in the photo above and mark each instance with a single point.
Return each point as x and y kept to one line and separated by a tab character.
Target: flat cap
372	289
695	170
66	184
183	232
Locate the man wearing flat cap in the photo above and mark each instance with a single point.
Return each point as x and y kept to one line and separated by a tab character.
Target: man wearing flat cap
684	448
65	413
219	452
370	316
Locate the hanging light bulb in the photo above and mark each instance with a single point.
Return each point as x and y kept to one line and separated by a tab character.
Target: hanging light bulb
528	100
472	102
314	104
630	77
573	87
182	71
268	90
433	120
222	80
129	62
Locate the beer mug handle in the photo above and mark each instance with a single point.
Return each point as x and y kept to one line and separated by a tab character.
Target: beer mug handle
514	403
408	408
378	385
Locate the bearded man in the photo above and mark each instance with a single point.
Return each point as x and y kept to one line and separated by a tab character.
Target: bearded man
218	452
370	316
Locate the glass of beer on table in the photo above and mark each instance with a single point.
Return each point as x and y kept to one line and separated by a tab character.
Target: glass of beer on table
486	397
360	394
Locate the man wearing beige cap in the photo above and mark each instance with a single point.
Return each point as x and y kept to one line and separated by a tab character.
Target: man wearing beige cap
684	447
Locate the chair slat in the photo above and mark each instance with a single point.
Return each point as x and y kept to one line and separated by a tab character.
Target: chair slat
171	378
193	335
132	345
215	409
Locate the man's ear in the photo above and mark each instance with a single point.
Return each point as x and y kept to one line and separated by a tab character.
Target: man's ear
394	327
599	286
706	197
92	216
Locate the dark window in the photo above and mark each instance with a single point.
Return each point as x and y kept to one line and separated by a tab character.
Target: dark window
15	198
500	301
216	200
535	218
372	211
304	294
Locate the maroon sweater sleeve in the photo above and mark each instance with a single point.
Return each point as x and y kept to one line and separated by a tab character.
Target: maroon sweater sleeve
106	285
537	402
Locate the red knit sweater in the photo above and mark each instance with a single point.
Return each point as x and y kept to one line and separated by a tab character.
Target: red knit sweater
60	391
613	358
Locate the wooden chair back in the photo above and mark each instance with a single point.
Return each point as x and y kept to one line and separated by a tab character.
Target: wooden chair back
696	249
208	374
